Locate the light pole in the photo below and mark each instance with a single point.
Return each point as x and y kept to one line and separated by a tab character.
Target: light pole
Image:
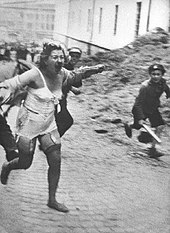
148	19
92	27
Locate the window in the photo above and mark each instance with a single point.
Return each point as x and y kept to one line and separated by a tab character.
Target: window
89	20
29	16
138	15
29	25
21	14
116	17
42	26
100	19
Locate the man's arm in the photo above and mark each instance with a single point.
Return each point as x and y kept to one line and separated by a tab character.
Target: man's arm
9	87
167	91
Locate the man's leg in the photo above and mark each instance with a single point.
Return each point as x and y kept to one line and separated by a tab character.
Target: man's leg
26	149
129	127
158	123
7	140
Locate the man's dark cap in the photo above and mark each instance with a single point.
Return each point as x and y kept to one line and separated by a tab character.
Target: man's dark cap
156	67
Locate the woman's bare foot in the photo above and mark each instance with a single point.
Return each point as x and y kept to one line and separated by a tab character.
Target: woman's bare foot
58	206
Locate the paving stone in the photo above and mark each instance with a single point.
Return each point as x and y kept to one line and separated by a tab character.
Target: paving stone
108	192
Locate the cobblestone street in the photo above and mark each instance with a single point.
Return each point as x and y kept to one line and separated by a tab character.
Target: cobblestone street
106	185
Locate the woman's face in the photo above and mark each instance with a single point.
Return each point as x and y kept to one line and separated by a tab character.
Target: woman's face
55	61
156	75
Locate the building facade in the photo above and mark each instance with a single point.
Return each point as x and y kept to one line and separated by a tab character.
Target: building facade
89	24
28	20
108	24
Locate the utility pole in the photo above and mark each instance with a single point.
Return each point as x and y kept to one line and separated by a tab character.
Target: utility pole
92	28
169	17
68	23
148	19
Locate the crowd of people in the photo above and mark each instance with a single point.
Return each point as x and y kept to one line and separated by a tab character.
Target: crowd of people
41	90
24	51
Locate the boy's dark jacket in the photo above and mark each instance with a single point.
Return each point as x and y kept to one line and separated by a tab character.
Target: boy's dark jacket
148	99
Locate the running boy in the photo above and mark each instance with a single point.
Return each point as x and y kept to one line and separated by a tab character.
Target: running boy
147	104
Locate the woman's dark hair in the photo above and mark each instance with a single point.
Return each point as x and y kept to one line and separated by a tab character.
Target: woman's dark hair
47	49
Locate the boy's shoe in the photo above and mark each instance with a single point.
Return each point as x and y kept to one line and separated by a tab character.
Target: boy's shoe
153	153
4	173
128	130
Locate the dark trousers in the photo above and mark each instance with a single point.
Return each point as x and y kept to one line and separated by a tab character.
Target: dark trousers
63	119
155	119
7	140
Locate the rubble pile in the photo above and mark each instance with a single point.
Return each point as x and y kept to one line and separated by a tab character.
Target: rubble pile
126	69
129	64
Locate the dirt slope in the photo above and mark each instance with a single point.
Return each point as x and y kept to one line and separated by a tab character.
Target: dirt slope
110	95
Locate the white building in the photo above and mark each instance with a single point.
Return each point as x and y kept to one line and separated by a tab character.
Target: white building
108	23
29	19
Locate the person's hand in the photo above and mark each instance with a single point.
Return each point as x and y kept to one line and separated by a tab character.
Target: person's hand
141	122
100	67
4	94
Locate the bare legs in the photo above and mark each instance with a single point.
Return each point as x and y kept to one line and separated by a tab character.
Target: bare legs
26	149
54	162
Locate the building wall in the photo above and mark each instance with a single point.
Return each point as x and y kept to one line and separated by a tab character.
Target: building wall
61	20
93	21
30	20
160	14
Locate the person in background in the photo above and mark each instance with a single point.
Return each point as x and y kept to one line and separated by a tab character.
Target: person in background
32	53
22	52
7	140
73	59
8	69
13	56
7	50
2	52
64	119
36	120
147	104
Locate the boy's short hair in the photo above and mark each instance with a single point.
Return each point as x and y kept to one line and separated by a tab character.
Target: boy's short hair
156	67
